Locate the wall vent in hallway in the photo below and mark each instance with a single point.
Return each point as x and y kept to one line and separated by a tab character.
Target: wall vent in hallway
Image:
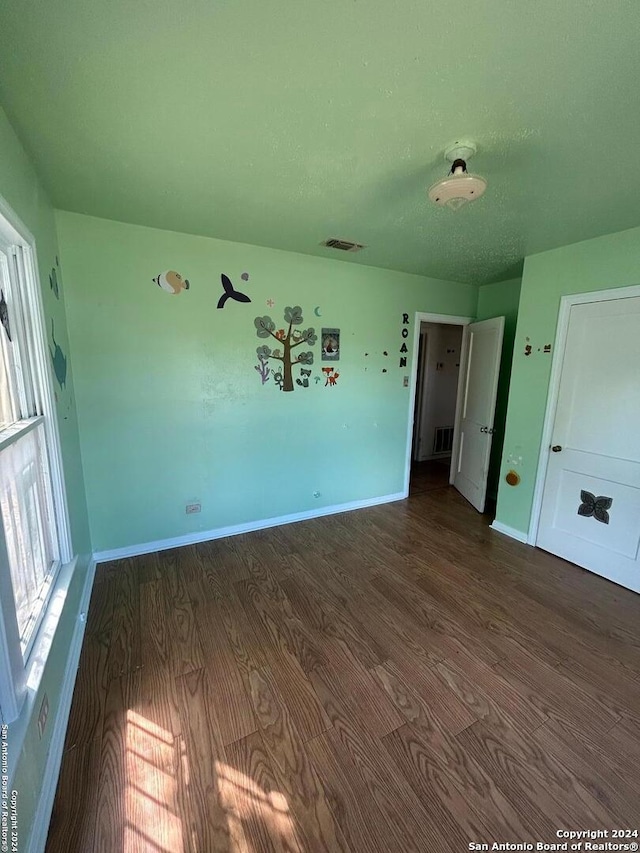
443	439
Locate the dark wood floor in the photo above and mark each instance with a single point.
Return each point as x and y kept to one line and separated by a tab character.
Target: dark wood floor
429	475
400	678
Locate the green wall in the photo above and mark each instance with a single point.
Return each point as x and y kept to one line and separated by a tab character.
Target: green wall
170	406
20	187
599	264
500	300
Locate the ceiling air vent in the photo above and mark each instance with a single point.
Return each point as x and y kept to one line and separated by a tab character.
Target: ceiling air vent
342	245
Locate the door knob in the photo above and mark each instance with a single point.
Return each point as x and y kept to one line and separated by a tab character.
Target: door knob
484	429
556	448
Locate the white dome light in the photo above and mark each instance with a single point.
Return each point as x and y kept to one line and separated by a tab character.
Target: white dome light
459	186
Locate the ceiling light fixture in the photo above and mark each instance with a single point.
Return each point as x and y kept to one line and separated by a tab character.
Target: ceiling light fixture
459	186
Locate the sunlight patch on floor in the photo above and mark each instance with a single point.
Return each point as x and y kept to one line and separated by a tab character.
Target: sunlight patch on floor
152	821
157	764
247	801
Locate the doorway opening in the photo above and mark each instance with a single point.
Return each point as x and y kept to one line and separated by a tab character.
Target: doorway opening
427	469
438	371
454	385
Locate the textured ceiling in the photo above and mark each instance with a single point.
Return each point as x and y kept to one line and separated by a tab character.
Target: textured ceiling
284	123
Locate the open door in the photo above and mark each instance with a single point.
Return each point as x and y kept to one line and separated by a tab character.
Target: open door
477	390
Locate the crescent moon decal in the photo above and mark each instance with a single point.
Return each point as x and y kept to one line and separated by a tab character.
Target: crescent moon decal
316	311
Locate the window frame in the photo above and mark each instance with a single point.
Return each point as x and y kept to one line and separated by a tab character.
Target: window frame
15	667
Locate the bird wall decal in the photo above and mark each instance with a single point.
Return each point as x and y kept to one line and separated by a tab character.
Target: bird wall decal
230	292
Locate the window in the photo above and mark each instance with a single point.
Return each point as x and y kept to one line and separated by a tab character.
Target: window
34	532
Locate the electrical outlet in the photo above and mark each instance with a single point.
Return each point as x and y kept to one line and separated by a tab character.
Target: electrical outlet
43	715
191	508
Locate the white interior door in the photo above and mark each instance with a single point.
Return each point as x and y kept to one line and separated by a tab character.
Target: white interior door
591	500
477	390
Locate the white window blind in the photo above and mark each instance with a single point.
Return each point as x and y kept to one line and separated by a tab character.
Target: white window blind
29	527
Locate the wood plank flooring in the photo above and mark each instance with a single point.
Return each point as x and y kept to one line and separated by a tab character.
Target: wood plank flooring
400	678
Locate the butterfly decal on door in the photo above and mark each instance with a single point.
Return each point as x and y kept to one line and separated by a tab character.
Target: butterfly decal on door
594	507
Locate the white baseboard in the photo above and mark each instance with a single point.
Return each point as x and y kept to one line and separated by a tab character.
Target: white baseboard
235	529
40	827
510	531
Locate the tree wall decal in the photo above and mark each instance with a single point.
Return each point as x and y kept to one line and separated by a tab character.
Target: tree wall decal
265	327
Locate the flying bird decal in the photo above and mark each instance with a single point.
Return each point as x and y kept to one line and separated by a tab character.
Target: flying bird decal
230	292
